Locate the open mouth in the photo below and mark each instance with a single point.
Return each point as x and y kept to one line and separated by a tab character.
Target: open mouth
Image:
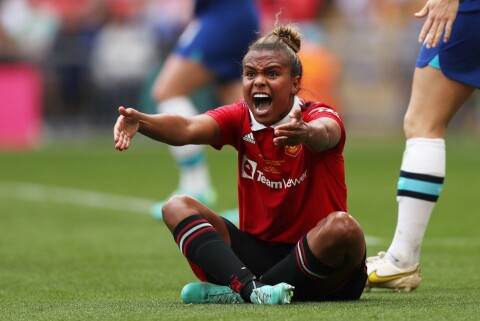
262	102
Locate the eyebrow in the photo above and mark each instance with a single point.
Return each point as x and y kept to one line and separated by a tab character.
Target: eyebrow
275	66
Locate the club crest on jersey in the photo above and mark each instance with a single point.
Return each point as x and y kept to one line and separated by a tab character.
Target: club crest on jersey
293	150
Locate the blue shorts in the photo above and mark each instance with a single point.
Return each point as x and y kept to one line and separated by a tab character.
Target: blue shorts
219	37
459	58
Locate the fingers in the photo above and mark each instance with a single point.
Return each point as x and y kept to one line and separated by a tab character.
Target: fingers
292	133
294	126
122	141
423	12
125	111
279	141
286	136
440	17
123	144
120	137
435	34
296	115
424	33
448	30
426	26
116	130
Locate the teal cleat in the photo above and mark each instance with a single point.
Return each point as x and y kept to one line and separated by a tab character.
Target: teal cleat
204	292
274	295
208	198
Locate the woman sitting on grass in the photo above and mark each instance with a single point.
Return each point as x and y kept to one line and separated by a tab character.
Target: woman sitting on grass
294	232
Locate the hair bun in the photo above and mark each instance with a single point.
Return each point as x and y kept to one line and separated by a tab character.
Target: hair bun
289	35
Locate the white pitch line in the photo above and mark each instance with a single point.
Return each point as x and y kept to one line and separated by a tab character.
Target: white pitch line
430	242
62	195
373	240
78	197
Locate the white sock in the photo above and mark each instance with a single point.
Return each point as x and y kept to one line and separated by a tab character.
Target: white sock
419	186
194	175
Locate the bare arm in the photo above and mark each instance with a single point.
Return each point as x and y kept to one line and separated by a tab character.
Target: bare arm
319	134
170	129
440	16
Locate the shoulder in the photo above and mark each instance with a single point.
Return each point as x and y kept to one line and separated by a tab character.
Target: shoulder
235	109
230	115
312	110
232	119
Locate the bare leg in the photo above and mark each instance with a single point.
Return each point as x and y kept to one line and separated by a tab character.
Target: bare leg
330	255
179	207
230	92
338	242
203	238
178	79
434	101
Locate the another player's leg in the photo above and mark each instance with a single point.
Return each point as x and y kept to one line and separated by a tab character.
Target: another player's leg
419	186
228	93
435	99
203	239
194	176
326	264
179	78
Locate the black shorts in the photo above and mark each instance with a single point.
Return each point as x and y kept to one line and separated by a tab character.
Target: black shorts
260	256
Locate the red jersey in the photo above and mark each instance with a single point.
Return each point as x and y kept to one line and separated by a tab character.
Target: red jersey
283	191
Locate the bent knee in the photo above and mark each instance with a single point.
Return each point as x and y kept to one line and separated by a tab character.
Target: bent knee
172	207
338	240
341	227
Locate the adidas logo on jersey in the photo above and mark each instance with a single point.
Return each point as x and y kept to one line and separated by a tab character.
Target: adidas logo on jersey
249	138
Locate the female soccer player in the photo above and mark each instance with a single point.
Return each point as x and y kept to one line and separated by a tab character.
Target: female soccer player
209	51
294	232
448	71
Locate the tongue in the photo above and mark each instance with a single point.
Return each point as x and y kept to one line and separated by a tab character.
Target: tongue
263	104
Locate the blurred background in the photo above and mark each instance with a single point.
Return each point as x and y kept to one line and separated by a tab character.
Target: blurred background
66	65
77	240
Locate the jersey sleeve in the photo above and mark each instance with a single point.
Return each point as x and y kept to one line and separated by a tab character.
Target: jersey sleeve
312	111
229	118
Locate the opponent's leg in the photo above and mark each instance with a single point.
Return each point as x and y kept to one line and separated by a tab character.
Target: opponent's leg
421	180
435	99
229	93
179	78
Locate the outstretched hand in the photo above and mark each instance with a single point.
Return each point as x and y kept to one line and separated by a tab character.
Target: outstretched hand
125	128
440	17
294	133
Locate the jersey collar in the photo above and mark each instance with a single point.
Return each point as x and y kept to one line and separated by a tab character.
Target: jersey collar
256	126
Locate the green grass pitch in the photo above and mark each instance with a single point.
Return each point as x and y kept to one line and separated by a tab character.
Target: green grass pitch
77	241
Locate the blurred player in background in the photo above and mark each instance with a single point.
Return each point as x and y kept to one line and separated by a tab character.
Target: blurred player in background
209	50
293	231
321	68
447	73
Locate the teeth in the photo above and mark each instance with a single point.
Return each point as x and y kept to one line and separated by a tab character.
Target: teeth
261	96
